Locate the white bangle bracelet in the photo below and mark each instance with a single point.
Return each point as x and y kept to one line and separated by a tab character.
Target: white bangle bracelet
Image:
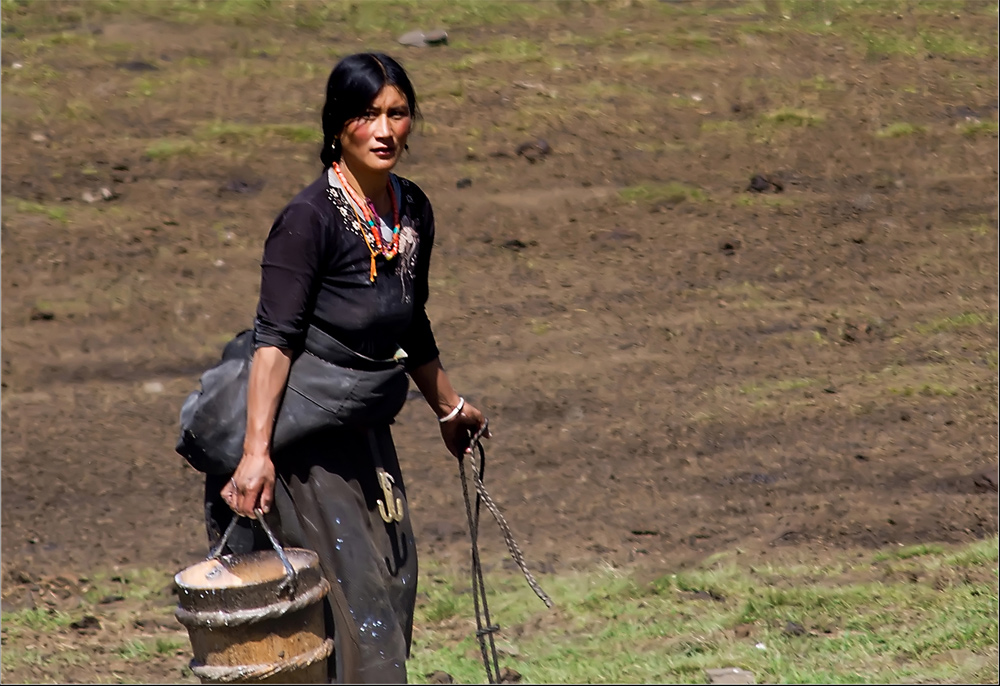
454	413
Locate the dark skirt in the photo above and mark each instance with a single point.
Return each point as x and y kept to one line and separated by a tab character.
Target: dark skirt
326	499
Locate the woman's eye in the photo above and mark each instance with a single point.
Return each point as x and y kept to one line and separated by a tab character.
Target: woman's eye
400	114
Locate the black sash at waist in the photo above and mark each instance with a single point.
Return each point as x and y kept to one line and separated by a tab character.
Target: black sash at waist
326	347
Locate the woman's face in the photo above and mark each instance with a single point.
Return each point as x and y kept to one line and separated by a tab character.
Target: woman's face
375	140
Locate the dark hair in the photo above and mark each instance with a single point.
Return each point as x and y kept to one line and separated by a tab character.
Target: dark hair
353	85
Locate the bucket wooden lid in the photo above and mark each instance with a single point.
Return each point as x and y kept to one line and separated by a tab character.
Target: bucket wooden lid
251	569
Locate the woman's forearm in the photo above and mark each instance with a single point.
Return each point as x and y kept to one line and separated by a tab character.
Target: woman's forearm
459	420
437	390
268	375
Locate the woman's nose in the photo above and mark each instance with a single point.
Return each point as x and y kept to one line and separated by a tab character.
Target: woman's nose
382	128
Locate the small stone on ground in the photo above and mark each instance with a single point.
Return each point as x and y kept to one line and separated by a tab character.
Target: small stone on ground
420	39
729	675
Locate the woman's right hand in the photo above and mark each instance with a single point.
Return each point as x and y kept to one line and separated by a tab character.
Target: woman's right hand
252	485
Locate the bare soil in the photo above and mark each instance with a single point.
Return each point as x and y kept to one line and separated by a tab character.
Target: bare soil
673	365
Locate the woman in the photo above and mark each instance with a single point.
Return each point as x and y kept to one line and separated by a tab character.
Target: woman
349	255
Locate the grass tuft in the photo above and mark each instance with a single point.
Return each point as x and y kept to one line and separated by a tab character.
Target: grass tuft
169	646
979	554
900	129
28	207
36	619
977	128
441	601
134	650
957	322
672	193
167	148
907	552
231	132
764	201
720	126
928	390
794	117
881	44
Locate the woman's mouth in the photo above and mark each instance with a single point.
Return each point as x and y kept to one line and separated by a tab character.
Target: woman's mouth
384	152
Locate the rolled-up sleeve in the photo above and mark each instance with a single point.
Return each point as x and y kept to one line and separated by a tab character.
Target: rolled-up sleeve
418	338
290	271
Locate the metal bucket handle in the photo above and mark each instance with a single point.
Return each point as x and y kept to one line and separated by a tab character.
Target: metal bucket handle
288	584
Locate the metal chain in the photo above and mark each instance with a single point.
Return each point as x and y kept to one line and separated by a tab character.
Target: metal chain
483	626
515	551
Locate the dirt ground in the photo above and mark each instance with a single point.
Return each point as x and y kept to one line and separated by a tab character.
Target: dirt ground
673	365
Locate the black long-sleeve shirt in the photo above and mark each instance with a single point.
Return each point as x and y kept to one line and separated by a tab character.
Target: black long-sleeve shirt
316	270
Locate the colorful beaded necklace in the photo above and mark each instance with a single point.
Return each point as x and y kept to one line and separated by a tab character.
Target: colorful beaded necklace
371	221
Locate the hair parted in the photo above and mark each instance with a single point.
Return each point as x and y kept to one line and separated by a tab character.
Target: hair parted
352	87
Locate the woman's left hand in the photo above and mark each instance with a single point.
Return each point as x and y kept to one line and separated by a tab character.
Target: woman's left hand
457	432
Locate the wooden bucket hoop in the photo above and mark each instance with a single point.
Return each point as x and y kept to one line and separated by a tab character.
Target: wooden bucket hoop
243	614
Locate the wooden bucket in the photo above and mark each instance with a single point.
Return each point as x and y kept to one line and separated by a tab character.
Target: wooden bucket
251	620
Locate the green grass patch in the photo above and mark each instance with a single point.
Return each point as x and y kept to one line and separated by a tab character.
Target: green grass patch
791	116
845	619
900	129
13	658
879	44
978	128
232	132
356	17
507	49
720	126
539	328
763	201
35	619
169	646
166	148
692	40
983	229
979	554
821	83
957	322
29	207
441	600
136	584
672	193
950	376
955	43
929	389
907	552
134	650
